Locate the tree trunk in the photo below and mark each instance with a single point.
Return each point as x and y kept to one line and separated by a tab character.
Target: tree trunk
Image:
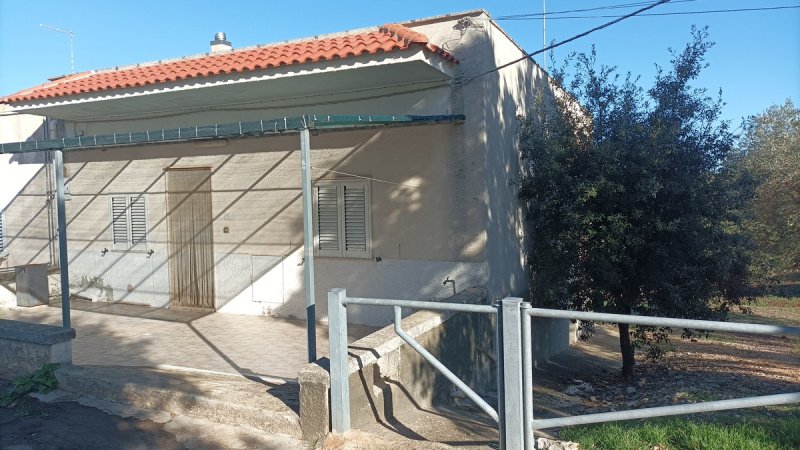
627	350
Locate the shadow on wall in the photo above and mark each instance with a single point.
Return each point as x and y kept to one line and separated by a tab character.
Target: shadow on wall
496	100
263	216
28	221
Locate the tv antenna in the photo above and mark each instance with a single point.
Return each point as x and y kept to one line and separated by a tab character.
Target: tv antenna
544	30
71	36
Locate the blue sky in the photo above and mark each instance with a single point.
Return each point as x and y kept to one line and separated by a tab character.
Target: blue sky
756	61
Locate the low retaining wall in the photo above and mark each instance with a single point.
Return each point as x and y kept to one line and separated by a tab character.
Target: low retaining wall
25	347
387	376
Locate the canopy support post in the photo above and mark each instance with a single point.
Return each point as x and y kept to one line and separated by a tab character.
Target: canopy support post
308	243
63	258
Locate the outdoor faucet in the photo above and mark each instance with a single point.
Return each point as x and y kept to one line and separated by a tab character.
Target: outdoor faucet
453	282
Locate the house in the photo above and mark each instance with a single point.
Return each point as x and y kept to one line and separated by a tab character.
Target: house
183	177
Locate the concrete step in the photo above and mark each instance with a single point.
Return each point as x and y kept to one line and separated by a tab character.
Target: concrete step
222	398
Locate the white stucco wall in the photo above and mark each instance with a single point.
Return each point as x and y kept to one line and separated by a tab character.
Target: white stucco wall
491	105
17	128
17	173
461	220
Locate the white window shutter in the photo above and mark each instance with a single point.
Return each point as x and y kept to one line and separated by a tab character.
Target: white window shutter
327	220
356	215
138	221
119	222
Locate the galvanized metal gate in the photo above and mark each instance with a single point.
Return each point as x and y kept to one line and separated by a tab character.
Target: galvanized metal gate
514	412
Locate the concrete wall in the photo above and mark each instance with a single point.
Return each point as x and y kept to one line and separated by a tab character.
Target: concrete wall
25	347
28	220
387	377
492	104
16	174
463	221
16	170
257	221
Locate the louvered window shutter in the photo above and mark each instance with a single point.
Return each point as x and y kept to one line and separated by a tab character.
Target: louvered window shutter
328	236
138	221
119	222
341	219
356	238
128	222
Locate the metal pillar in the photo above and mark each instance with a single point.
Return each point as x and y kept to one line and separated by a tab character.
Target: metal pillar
512	374
340	361
527	376
308	244
498	346
63	259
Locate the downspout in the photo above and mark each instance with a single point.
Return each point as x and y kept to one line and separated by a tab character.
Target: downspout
48	175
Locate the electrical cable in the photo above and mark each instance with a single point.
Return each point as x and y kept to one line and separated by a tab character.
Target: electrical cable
549	13
675	13
322	169
557	44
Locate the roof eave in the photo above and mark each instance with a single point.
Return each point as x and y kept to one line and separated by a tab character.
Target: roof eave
415	54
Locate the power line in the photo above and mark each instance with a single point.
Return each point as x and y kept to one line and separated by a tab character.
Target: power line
618	6
557	44
323	169
675	13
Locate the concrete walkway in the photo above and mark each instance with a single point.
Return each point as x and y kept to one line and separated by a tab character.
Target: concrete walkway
130	335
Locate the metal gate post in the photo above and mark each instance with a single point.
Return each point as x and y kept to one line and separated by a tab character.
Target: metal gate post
498	345
340	362
512	373
63	256
527	376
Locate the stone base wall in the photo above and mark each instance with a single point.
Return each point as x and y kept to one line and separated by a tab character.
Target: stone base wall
387	376
25	347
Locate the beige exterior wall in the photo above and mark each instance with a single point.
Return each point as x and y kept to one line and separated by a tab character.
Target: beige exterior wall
22	177
491	160
459	220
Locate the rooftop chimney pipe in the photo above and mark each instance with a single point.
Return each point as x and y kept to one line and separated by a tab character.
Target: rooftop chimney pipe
220	44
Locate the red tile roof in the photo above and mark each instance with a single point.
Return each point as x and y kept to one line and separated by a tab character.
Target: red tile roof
388	38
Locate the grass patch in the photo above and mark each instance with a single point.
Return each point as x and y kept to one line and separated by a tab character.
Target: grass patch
42	380
775	301
680	433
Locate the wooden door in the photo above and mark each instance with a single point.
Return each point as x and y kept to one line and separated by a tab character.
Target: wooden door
191	240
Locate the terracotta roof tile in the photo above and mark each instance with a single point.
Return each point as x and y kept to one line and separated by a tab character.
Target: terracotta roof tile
388	38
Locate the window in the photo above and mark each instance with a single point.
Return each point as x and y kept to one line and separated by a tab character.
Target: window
128	222
341	219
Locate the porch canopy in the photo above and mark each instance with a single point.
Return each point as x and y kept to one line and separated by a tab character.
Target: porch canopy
301	125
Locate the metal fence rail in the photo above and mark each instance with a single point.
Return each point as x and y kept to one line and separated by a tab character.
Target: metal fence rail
514	412
532	424
340	369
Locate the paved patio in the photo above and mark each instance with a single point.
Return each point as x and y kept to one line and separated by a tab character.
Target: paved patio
111	334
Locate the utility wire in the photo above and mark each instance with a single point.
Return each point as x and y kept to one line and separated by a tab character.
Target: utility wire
618	6
675	13
323	169
557	44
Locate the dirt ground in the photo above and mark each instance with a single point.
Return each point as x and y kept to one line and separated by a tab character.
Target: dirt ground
583	380
586	380
31	425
